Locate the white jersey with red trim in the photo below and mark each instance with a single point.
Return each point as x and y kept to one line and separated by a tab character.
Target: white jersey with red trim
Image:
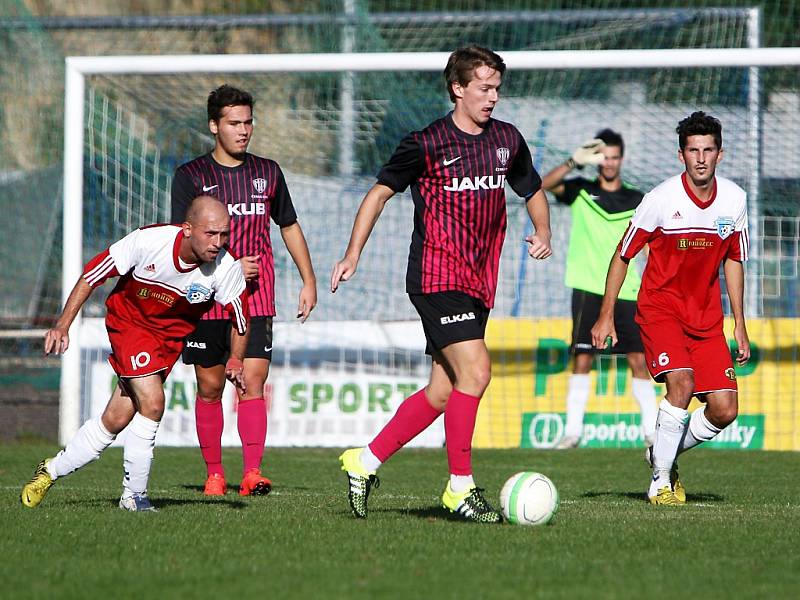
160	292
688	242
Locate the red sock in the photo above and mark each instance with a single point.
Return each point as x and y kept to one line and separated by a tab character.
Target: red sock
252	423
209	422
413	416
459	425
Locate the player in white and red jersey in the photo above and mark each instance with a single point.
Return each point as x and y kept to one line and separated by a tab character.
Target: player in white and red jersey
255	192
693	223
169	276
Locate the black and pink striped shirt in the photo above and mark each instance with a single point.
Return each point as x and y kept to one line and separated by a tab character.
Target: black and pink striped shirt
254	192
458	186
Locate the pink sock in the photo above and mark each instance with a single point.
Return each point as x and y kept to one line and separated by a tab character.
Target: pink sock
209	422
459	425
413	416
252	424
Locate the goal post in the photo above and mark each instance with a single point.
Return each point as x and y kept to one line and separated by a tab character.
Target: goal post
79	68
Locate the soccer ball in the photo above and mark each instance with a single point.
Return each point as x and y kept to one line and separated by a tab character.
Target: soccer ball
529	498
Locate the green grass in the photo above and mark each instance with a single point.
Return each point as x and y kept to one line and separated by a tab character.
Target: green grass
739	536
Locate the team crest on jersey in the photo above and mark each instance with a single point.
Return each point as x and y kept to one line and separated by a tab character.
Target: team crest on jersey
260	185
197	293
503	155
724	226
730	374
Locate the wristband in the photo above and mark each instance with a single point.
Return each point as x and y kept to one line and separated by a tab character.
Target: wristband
570	162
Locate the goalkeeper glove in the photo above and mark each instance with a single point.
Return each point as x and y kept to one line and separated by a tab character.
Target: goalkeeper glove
590	153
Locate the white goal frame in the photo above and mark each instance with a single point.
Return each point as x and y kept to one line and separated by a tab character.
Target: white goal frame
78	68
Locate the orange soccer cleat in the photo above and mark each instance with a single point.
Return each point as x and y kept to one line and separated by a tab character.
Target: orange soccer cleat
254	484
215	485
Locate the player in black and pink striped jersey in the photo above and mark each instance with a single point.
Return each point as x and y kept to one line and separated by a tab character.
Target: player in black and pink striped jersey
255	192
457	168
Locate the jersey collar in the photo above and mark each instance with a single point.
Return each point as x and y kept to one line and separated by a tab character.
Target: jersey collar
700	204
176	261
463	134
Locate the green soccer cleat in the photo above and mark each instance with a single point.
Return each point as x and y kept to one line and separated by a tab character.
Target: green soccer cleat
359	481
470	505
665	497
36	489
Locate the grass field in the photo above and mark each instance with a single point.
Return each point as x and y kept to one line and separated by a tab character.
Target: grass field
739	536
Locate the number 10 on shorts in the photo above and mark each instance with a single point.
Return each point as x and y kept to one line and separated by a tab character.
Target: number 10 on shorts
140	360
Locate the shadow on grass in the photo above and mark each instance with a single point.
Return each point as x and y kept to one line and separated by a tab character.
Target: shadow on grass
232	488
428	513
217	501
161	502
695	497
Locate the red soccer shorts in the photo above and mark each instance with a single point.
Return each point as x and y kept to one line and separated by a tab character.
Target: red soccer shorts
667	347
136	352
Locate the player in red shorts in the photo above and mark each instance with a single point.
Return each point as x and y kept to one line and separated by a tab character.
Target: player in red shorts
169	276
693	222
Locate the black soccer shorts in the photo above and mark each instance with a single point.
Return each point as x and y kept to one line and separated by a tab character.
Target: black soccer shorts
586	309
450	317
210	343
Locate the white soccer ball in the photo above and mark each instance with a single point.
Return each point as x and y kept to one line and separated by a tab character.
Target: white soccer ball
529	498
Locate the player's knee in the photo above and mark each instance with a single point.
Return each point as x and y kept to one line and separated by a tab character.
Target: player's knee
681	385
479	378
115	421
723	415
253	385
437	399
152	409
210	392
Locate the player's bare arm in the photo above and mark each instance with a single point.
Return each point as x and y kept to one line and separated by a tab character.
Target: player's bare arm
553	180
539	212
589	153
368	213
56	340
734	281
604	326
298	249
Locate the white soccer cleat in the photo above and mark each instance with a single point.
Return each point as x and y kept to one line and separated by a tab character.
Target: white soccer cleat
567	442
137	503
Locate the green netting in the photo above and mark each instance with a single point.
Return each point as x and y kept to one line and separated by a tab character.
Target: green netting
150	124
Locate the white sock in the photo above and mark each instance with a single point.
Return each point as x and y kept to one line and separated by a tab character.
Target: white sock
138	454
699	430
461	483
577	397
369	461
87	445
670	426
645	395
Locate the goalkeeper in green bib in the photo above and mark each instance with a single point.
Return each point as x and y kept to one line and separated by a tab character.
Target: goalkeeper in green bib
601	209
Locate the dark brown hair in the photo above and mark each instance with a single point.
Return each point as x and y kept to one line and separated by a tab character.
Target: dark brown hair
463	62
699	123
226	95
612	138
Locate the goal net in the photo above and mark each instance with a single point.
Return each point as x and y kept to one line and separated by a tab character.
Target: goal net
337	378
